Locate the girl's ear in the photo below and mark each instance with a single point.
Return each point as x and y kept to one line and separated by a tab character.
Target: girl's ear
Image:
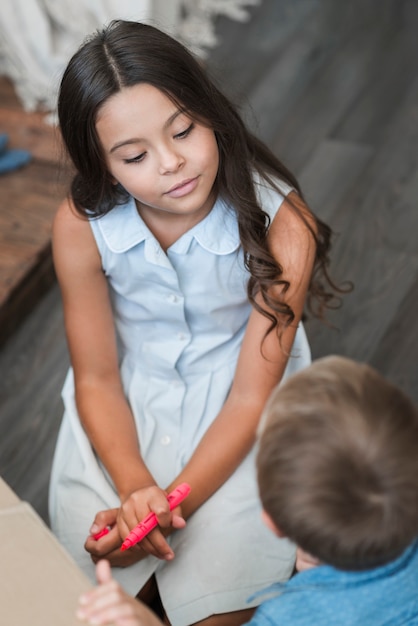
270	524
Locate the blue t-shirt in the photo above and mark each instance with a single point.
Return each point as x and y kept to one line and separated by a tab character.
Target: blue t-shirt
384	596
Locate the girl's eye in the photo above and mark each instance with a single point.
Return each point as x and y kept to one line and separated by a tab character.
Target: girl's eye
186	132
136	159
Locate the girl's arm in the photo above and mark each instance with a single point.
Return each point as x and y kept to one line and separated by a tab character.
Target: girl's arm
233	433
103	409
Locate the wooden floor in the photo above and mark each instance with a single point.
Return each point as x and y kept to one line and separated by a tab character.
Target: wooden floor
28	200
332	87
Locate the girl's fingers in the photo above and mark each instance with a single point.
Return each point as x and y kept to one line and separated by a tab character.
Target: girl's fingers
103	519
156	544
117	558
178	521
105	544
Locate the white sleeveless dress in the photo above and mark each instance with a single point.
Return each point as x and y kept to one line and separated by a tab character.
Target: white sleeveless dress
180	318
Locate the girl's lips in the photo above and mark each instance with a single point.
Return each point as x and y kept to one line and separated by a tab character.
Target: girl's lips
183	188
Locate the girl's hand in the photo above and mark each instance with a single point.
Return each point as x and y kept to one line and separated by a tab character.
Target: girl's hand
136	507
108	546
108	603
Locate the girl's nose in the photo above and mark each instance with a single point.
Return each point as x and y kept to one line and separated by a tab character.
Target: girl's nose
170	160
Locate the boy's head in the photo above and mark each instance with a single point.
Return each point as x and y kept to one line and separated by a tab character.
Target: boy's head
338	464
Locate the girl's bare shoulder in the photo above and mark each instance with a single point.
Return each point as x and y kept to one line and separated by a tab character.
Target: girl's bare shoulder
68	220
73	242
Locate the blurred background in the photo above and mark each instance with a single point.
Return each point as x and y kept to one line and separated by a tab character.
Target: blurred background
332	88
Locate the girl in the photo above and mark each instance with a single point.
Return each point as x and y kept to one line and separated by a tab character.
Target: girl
183	287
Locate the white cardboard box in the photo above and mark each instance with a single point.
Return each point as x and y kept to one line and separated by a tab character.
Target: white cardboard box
40	583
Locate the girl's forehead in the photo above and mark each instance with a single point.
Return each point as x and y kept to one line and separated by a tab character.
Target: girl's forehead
140	92
137	113
141	99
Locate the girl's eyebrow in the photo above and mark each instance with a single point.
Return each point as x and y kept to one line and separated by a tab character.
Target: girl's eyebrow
166	125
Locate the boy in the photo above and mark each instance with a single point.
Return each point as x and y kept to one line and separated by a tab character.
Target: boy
338	475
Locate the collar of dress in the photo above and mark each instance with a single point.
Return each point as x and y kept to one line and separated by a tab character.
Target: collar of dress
123	228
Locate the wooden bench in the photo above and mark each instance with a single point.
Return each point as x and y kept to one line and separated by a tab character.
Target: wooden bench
28	200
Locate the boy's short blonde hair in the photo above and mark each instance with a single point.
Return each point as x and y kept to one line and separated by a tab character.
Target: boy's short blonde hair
338	464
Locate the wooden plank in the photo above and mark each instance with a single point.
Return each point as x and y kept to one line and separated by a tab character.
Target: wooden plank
238	67
377	104
8	97
332	170
34	131
377	246
396	354
28	292
305	52
33	364
331	92
28	200
31	131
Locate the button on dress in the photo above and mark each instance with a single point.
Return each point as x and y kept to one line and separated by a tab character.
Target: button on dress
180	318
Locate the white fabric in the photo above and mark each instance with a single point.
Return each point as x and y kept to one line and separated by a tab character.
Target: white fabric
196	28
37	37
180	320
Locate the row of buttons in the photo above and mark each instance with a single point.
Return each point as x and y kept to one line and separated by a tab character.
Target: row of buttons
174	299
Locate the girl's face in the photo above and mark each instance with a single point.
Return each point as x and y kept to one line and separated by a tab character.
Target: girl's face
167	161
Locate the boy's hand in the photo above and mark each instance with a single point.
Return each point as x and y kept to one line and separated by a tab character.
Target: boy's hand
109	604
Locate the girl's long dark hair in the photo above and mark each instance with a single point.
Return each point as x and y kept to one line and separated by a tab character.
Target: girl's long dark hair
127	53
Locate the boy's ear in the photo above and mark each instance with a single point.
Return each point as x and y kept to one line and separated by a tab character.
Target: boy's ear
270	524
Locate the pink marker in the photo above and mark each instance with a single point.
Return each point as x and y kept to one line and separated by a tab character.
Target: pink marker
101	533
150	521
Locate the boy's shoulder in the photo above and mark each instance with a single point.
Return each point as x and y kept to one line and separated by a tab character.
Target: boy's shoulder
387	595
282	610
